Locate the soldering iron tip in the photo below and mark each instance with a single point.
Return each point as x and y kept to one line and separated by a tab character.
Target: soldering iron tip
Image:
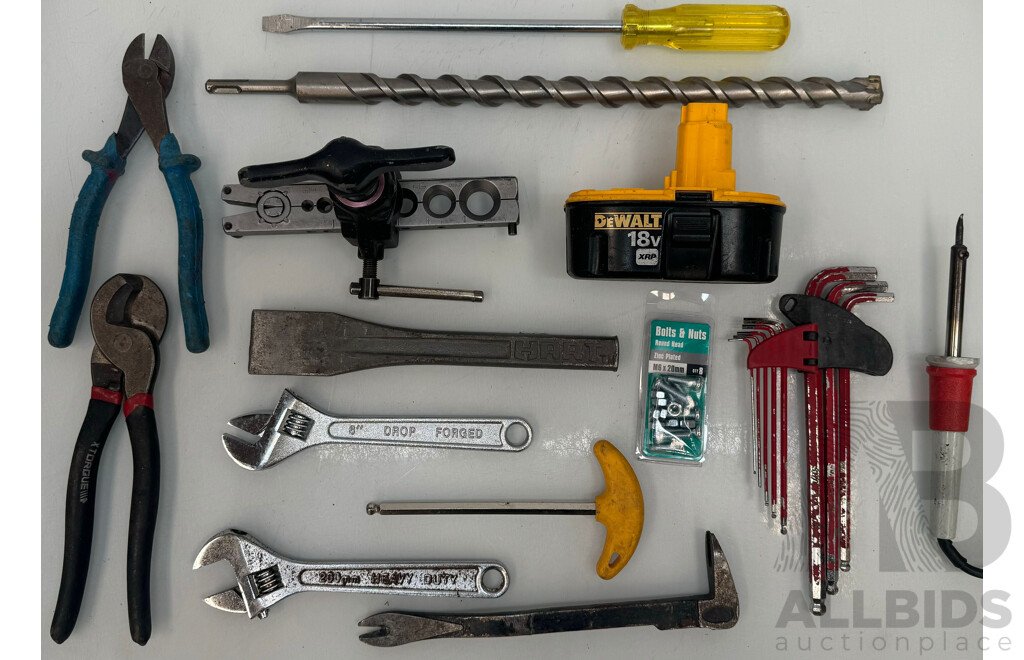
960	230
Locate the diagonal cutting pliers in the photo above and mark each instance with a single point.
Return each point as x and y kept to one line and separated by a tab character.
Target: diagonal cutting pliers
128	317
147	80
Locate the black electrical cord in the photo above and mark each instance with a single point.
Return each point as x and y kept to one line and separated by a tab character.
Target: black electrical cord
958	559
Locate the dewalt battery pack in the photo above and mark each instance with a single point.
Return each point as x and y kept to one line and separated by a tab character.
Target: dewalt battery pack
698	228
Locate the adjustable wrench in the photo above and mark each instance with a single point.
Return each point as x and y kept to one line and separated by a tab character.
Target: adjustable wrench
265	578
296	425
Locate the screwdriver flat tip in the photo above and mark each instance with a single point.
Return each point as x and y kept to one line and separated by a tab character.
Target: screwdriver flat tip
281	23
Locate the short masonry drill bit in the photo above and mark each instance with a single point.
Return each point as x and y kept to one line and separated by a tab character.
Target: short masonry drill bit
569	92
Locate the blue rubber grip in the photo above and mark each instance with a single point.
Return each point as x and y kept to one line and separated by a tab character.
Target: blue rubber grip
107	166
177	169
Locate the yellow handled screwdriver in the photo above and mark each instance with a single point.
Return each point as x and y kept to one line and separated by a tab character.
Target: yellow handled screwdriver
620	508
683	27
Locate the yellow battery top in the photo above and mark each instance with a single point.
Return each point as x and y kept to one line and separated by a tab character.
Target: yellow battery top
703	163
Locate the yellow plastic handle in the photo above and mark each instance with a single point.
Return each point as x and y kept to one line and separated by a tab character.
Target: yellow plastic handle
706	27
620	508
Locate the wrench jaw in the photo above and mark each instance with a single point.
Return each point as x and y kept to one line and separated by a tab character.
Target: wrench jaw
257	570
278	435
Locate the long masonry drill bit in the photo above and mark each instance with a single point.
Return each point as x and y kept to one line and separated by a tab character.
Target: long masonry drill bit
569	92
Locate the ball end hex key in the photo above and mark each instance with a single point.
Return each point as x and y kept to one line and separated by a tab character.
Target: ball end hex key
862	93
826	342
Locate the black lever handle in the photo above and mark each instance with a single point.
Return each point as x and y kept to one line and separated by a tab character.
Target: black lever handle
346	164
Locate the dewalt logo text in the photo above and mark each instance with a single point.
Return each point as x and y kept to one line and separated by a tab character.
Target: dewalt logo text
627	220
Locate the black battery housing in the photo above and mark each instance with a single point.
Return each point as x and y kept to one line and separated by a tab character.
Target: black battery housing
690	239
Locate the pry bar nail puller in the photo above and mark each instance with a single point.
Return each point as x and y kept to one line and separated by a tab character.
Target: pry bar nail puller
327	344
296	425
950	384
128	318
718	609
360	194
147	80
568	92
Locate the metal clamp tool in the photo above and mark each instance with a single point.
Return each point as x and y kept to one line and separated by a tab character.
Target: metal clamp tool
265	578
363	197
295	425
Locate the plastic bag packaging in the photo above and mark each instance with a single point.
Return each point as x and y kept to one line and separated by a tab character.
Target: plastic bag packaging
674	370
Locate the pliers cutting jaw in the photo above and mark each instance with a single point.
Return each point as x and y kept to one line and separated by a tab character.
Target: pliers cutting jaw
148	80
128	317
161	59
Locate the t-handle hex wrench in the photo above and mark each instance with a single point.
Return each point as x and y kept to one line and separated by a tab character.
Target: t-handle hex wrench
620	508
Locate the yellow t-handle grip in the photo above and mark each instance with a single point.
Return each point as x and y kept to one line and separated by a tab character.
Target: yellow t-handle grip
620	508
706	27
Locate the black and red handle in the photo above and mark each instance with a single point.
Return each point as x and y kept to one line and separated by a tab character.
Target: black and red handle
80	508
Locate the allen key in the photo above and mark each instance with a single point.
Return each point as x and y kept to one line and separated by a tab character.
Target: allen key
825	342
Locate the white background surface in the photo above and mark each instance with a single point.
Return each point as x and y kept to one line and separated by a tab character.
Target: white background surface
880	188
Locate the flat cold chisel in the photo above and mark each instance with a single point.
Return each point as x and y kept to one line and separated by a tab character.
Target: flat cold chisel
326	344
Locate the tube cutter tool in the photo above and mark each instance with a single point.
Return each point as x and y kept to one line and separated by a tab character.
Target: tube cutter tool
128	318
147	80
358	191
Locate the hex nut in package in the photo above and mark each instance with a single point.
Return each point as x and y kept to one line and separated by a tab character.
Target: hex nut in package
674	366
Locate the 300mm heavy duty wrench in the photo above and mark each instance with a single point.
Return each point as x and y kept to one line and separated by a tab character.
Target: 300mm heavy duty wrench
265	578
326	344
296	425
